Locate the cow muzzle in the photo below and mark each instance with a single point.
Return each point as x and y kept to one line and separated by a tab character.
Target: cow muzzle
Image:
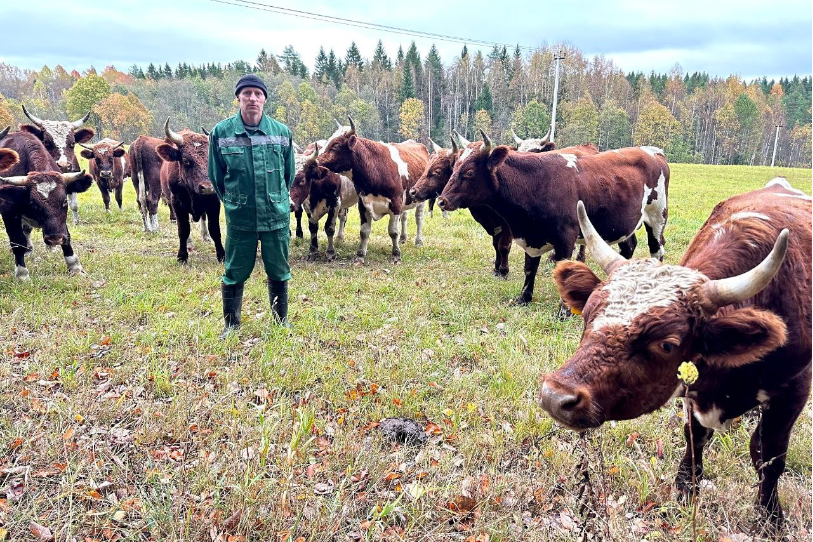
445	204
206	189
413	193
106	174
567	405
54	240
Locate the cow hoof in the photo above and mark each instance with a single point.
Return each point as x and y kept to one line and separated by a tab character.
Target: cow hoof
396	260
358	262
77	272
107	211
402	239
330	256
171	221
313	256
221	258
501	273
21	273
418	242
300	235
183	260
340	238
522	301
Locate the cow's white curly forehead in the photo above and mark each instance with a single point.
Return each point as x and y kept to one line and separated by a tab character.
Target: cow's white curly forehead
639	286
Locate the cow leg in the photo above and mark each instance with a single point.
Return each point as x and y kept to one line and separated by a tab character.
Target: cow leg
142	201
364	233
19	245
627	246
531	266
431	205
298	216
118	195
105	196
204	229
183	235
152	205
73	203
214	231
655	240
700	436
71	259
392	229
330	230
419	212
29	246
581	255
342	221
501	240
313	228
769	443
404	219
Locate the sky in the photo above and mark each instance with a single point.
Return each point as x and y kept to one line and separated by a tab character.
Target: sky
721	37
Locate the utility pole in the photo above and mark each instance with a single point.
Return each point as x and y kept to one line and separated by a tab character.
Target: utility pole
557	57
775	141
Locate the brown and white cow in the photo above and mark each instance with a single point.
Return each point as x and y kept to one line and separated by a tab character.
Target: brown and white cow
536	194
321	192
543	144
106	166
60	137
146	165
437	174
738	306
382	174
185	182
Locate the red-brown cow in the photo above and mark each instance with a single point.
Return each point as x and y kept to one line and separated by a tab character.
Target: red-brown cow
742	317
146	165
60	137
437	174
321	192
382	174
536	194
185	181
106	166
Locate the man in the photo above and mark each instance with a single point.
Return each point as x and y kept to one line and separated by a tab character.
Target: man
251	165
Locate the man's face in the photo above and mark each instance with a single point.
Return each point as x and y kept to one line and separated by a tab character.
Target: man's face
251	100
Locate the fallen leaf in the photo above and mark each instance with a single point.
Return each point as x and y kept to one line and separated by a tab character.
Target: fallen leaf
461	504
40	532
632	438
233	520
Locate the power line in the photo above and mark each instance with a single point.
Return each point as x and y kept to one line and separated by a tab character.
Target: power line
249	4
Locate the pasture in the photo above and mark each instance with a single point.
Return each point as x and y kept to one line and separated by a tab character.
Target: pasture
123	417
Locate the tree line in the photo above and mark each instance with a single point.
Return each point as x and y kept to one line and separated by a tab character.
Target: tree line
694	117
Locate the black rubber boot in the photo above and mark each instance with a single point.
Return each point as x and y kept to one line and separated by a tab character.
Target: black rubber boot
232	305
278	296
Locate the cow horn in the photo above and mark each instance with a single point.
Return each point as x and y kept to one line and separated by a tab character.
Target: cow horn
352	125
518	140
85	147
462	141
18	180
172	136
204	130
545	139
603	253
722	292
312	158
68	178
338	124
435	146
297	148
78	123
486	142
122	144
4	132
454	145
35	120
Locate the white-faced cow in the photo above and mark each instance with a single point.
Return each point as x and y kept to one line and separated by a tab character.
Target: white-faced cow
536	194
320	192
543	144
437	174
60	137
382	174
106	164
738	306
146	165
185	181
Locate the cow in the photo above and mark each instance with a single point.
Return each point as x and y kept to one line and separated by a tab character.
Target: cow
145	166
184	179
738	306
436	176
536	195
382	174
543	144
106	165
8	157
321	192
60	137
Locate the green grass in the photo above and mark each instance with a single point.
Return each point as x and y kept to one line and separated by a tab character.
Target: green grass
137	422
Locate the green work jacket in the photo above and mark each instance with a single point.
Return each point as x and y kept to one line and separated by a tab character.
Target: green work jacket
252	174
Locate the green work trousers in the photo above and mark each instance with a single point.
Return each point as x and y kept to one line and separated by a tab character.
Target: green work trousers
241	252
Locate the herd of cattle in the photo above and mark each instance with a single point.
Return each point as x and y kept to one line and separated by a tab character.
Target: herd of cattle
738	305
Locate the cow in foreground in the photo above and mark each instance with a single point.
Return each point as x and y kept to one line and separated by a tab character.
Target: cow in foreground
382	174
536	194
146	165
184	179
106	165
321	192
60	138
738	306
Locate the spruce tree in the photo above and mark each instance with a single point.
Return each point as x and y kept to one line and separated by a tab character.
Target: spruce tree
353	57
380	57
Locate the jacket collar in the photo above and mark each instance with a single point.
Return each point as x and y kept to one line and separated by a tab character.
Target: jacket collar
239	127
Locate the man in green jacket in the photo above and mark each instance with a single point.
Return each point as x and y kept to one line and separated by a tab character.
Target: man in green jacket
251	164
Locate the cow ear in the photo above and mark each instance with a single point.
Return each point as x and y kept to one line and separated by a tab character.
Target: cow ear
79	185
118	153
575	282
31	129
497	157
351	141
87	153
8	158
168	152
83	135
741	337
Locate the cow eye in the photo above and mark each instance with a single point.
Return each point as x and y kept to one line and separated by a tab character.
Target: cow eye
667	347
469	174
187	163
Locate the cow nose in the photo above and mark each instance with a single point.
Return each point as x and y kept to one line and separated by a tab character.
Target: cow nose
206	188
412	192
442	203
561	401
54	240
106	174
63	165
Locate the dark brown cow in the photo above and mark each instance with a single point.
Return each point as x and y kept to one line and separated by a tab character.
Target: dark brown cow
732	307
146	165
321	192
382	174
106	166
185	180
436	176
536	194
60	137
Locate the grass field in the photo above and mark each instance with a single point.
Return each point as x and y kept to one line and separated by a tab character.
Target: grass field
123	417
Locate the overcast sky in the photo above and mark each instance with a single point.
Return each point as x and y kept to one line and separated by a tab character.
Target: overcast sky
721	37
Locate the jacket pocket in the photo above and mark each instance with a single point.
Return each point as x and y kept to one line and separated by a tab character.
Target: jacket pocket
236	172
275	174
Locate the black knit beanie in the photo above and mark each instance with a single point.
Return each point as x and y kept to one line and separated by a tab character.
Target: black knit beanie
250	80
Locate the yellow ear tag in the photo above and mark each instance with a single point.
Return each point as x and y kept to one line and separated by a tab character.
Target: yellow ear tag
687	373
574	310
